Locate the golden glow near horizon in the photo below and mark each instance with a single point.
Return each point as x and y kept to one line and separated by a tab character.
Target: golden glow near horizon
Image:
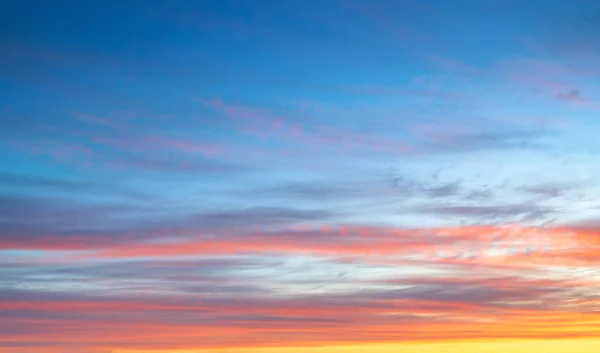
487	346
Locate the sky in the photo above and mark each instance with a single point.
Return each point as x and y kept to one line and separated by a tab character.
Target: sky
245	176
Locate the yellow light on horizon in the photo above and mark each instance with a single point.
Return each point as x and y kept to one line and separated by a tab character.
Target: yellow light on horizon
488	346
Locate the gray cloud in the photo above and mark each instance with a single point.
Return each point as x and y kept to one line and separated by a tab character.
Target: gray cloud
573	95
224	277
546	192
484	141
493	292
511	212
16	180
31	222
258	216
177	165
314	190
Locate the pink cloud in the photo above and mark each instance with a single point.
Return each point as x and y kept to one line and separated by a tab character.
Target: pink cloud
265	124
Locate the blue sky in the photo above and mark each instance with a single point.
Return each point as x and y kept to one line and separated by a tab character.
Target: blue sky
189	134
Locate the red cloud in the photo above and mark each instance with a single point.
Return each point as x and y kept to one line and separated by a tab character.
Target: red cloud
489	245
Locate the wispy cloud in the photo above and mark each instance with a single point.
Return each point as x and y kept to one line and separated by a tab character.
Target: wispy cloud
573	95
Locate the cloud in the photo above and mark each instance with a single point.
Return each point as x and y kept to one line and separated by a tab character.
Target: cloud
434	308
573	95
547	191
72	224
258	216
529	246
54	213
23	187
128	141
28	181
307	131
311	128
176	165
477	142
493	292
210	278
225	276
524	212
316	190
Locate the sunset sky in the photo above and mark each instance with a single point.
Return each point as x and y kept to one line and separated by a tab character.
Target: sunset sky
299	176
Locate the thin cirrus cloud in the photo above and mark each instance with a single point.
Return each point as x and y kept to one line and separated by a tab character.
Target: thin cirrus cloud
238	177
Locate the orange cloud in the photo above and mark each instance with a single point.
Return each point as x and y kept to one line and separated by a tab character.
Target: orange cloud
484	244
500	292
